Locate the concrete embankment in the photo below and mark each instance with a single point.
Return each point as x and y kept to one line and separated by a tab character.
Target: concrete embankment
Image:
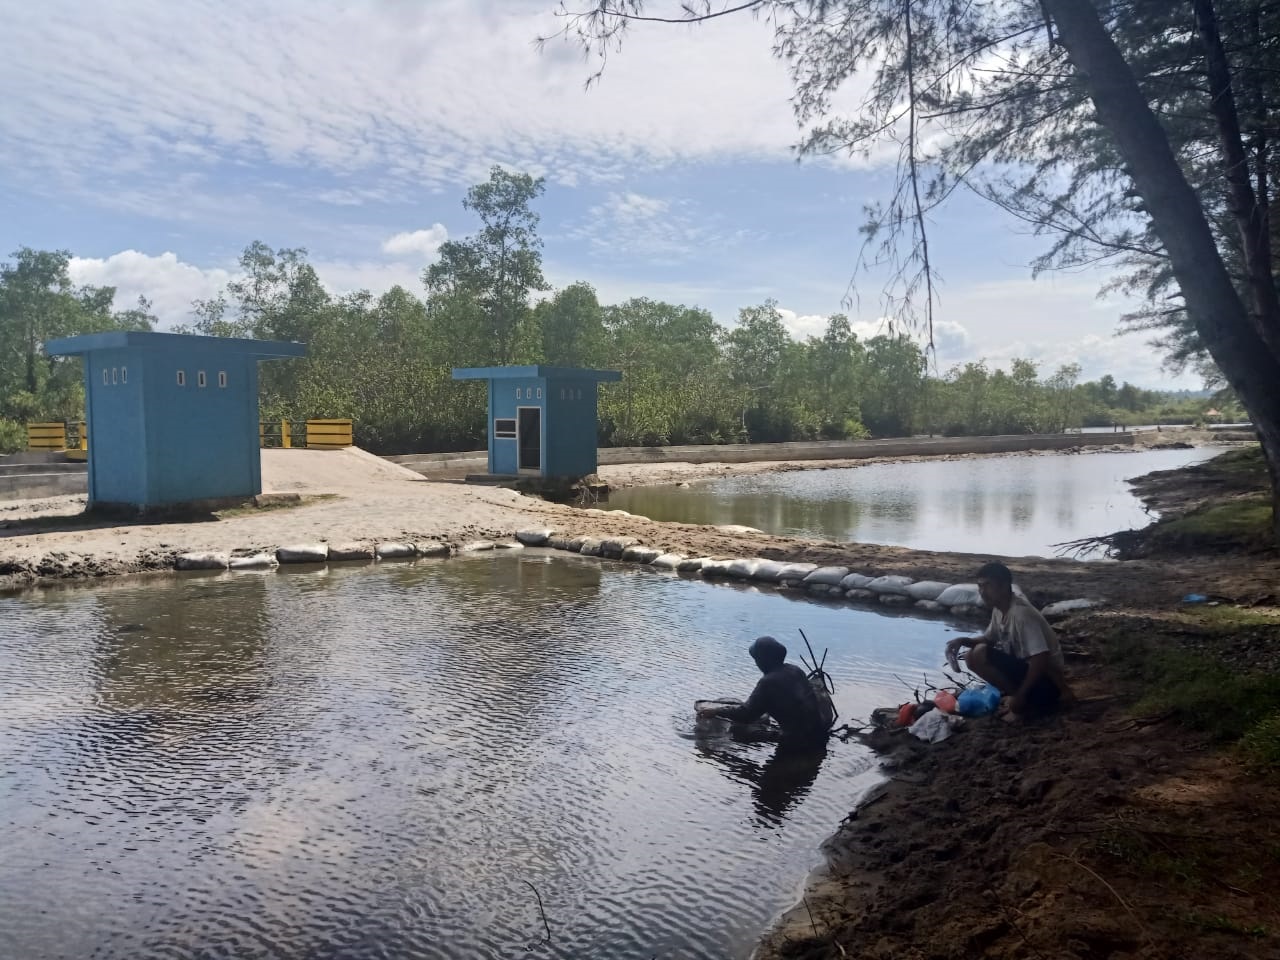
459	464
25	476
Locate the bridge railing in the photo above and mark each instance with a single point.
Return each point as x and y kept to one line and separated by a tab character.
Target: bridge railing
72	436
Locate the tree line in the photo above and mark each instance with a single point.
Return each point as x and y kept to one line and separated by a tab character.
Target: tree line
385	361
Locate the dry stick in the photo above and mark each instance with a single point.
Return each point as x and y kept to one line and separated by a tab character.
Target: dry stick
1119	899
545	926
812	922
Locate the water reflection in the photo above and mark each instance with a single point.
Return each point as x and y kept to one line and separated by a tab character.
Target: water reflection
369	762
1016	505
778	784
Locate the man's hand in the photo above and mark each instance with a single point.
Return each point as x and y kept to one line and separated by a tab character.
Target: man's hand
956	644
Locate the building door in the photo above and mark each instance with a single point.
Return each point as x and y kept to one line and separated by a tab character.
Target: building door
529	431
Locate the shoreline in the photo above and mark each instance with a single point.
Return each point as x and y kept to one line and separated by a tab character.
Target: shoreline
662	473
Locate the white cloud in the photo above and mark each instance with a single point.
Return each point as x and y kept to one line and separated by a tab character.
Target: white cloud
801	326
170	284
424	243
423	94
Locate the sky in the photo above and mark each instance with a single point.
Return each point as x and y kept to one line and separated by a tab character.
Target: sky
155	140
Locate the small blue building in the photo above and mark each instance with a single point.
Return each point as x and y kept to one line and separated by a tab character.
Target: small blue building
171	418
542	420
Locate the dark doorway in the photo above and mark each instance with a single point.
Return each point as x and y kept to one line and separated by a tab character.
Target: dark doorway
529	428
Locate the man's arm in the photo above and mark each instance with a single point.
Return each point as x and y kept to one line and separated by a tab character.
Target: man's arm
755	707
956	644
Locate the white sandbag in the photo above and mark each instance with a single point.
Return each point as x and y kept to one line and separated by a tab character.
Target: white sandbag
668	561
252	561
891	586
856	581
638	554
770	571
894	599
831	576
970	611
715	568
930	606
691	564
960	594
534	538
350	550
1063	608
431	548
796	571
476	546
591	547
616	547
926	589
861	595
736	528
743	568
395	551
303	553
201	561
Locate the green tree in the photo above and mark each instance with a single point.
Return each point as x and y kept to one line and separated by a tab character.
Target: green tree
501	266
571	325
39	302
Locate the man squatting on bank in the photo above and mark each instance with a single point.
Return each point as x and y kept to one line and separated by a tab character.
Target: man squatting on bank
1018	653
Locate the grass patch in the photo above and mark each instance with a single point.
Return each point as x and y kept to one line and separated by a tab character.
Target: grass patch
1242	523
1246	462
1232	706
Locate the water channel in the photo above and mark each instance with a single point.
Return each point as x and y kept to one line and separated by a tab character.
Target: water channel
1017	505
377	761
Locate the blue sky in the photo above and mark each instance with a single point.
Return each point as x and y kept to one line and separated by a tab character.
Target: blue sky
155	140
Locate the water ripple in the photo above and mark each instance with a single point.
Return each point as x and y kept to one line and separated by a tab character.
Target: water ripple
373	762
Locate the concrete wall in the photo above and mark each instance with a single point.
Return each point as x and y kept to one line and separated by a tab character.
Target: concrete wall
29	481
459	464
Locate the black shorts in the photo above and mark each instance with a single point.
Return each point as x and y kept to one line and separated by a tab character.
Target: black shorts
1044	694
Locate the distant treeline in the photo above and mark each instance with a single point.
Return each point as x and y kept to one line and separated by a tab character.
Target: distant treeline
385	361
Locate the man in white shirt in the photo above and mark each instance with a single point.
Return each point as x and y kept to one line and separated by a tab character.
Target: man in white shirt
1019	652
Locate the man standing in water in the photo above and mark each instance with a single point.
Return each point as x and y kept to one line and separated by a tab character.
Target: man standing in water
1019	653
784	693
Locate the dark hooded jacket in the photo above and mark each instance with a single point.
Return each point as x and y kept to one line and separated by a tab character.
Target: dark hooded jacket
784	693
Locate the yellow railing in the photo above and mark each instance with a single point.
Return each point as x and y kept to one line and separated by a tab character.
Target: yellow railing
313	434
46	436
73	436
328	434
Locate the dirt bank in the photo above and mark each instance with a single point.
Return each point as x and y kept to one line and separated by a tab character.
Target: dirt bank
1097	834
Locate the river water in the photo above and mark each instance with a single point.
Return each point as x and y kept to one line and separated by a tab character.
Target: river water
377	761
1010	505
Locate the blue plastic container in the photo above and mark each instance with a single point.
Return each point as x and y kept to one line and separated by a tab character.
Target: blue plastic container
978	702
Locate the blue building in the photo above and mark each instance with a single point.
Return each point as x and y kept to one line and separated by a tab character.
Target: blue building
542	420
171	418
